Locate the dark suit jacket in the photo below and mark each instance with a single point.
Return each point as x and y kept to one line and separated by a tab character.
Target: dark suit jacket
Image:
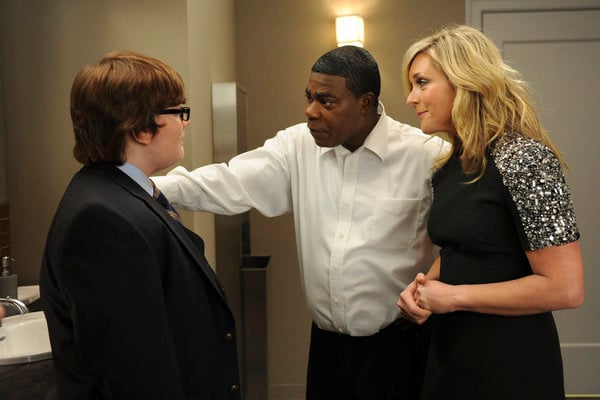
134	310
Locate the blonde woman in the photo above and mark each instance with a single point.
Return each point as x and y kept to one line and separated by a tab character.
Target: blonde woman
503	217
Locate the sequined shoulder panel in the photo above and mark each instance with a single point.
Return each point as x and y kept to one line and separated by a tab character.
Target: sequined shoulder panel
536	183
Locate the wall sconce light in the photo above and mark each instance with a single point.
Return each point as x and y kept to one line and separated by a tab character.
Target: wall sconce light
350	30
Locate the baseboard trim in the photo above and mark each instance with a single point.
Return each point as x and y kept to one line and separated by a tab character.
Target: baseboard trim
287	391
582	370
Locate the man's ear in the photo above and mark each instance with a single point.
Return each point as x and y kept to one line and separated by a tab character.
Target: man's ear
142	137
368	100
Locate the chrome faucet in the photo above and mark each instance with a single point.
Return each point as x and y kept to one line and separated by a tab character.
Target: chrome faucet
13	307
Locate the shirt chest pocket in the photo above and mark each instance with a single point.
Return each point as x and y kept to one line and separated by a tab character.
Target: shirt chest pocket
394	223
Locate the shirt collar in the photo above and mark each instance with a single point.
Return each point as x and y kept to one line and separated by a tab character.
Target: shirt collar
376	141
138	176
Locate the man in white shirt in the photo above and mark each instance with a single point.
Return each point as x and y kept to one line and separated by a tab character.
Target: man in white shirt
358	185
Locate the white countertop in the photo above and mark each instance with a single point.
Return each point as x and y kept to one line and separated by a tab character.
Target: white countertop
28	294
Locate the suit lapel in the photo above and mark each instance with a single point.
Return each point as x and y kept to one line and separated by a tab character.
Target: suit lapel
117	176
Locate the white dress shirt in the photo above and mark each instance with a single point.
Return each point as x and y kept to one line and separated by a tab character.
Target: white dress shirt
360	217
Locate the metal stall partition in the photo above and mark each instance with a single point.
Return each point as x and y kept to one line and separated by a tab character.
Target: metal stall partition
242	275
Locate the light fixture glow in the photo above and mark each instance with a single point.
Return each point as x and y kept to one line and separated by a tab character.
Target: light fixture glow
350	30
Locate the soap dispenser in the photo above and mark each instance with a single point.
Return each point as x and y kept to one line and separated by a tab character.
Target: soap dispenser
8	280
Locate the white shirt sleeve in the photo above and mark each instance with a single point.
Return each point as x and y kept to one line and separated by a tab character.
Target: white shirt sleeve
256	179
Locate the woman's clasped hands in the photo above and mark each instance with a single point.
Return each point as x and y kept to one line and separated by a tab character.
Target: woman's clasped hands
424	296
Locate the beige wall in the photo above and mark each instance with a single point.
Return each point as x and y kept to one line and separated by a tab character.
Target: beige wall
44	43
276	43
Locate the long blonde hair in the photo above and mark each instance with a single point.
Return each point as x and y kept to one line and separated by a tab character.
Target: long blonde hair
491	97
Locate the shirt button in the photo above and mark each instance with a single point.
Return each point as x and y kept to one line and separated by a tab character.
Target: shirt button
229	337
234	388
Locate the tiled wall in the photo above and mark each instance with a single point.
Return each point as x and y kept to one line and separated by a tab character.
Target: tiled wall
4	230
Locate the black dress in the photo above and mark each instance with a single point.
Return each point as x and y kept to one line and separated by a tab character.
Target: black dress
521	203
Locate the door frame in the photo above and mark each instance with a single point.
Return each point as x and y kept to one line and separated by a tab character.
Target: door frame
476	11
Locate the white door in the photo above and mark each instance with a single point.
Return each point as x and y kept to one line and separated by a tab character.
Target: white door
556	46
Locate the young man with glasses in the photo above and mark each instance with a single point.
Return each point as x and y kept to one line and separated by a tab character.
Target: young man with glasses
134	310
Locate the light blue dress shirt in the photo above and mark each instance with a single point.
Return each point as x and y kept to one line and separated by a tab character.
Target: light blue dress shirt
138	176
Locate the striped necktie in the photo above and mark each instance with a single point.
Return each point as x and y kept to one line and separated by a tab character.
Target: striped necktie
165	203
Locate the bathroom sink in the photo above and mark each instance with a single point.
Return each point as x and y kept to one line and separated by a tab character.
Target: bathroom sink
24	338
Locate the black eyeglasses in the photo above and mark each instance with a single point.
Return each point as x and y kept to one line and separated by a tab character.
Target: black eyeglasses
184	112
